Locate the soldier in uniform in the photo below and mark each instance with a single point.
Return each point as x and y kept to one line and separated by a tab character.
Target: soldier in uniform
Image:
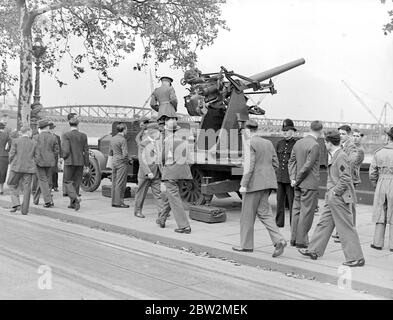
149	175
175	168
46	153
164	100
337	209
285	191
381	175
357	141
303	167
119	152
258	180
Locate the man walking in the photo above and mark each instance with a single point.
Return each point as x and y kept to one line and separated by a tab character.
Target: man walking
258	180
119	151
149	175
337	209
175	168
46	152
76	156
381	175
285	192
304	174
55	169
23	167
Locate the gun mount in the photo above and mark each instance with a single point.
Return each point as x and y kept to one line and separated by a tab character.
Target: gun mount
221	98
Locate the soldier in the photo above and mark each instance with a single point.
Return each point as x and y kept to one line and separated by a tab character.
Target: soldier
46	153
164	100
175	168
285	191
258	180
303	169
5	145
55	169
337	209
149	174
119	151
23	168
76	161
381	175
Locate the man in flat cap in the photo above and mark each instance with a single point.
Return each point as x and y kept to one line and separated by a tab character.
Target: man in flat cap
337	211
23	168
285	192
76	160
46	153
381	175
303	167
164	100
259	179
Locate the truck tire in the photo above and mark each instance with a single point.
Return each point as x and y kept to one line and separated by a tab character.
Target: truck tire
92	180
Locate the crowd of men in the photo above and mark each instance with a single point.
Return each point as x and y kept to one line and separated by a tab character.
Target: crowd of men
292	168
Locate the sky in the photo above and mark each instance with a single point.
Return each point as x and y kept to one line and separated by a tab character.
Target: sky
339	39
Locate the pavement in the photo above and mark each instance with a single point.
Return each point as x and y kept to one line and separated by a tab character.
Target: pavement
216	240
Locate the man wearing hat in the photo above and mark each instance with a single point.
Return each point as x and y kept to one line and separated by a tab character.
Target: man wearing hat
381	175
75	151
119	151
23	168
285	191
55	169
175	168
303	167
337	209
46	153
259	179
164	100
149	175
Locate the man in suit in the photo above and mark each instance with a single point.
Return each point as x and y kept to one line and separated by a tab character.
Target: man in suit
164	100
304	173
285	191
337	209
46	152
55	169
23	167
149	175
175	168
69	117
76	161
259	178
119	151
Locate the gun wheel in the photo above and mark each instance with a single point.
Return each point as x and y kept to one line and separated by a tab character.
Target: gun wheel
190	190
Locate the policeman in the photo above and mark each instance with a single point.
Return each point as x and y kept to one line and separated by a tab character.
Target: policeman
164	100
285	191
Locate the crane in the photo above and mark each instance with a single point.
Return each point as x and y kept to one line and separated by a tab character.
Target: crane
365	106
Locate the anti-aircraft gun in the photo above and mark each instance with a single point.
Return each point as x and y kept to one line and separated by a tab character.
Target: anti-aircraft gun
220	99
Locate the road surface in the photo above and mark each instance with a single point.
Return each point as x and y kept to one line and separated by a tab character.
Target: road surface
42	258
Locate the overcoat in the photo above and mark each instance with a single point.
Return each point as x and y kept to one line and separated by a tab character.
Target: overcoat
381	174
165	98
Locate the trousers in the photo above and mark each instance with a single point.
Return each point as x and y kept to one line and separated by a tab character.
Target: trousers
119	183
284	192
143	187
44	179
20	182
72	180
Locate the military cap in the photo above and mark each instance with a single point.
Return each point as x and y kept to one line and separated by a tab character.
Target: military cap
43	123
251	124
346	128
166	78
288	125
390	132
333	137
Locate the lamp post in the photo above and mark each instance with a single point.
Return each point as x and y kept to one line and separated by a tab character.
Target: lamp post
38	51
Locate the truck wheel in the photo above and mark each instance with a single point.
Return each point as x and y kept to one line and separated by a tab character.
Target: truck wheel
91	180
190	190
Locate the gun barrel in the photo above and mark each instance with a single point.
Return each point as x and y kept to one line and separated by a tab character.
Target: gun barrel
277	70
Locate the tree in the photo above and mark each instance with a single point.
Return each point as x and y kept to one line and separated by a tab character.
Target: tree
387	28
169	30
